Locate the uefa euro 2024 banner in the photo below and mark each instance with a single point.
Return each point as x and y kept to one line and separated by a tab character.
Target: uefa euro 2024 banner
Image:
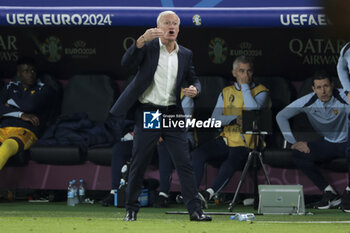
193	13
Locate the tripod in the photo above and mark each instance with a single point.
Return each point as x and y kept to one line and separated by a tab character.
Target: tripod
252	158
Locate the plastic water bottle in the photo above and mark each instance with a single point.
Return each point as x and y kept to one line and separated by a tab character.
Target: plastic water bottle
75	192
243	217
70	195
143	198
115	197
81	191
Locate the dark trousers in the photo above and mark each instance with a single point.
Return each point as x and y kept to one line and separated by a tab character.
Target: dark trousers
165	168
121	154
145	142
230	159
320	151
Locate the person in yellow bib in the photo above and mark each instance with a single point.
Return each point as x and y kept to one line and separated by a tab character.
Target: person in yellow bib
232	147
24	109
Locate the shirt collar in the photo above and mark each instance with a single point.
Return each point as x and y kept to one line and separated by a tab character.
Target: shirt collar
330	102
161	45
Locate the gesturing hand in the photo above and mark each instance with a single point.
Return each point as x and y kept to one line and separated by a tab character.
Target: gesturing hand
149	35
31	118
301	146
191	91
152	33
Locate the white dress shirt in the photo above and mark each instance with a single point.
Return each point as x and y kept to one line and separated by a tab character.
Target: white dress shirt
162	90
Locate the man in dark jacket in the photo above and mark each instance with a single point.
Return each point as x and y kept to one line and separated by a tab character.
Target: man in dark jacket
163	66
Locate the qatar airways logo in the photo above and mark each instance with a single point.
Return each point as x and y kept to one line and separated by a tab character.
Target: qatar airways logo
316	51
157	120
8	48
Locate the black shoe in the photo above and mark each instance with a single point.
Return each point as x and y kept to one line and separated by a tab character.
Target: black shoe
199	217
345	202
162	202
328	200
108	201
130	215
204	197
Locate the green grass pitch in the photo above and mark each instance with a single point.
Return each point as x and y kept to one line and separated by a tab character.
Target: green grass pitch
55	217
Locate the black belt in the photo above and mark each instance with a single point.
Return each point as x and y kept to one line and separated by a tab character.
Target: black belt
162	109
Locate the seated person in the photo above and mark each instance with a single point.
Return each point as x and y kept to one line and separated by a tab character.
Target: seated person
24	109
343	68
327	110
232	147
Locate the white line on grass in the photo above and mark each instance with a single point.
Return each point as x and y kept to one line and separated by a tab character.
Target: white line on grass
303	222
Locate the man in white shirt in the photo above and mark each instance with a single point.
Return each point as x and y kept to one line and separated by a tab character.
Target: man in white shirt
163	66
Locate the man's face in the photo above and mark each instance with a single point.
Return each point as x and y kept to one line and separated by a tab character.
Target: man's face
323	89
27	74
169	24
243	73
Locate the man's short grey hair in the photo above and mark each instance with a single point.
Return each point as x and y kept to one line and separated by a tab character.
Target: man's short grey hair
244	60
161	14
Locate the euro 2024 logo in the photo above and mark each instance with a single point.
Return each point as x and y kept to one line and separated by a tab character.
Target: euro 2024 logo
151	119
218	50
52	49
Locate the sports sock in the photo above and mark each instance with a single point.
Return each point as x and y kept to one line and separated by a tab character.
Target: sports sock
329	188
8	148
211	192
163	194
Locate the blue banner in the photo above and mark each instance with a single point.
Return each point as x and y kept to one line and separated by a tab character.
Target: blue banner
146	16
165	3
